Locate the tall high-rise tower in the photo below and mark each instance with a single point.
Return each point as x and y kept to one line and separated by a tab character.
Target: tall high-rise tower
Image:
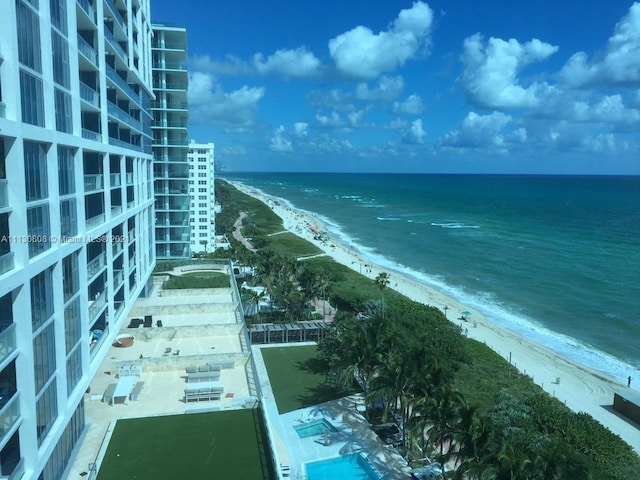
203	199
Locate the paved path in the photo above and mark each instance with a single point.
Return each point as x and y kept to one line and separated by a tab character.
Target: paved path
237	232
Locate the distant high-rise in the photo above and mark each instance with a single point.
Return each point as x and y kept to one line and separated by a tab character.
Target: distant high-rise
76	212
202	193
170	141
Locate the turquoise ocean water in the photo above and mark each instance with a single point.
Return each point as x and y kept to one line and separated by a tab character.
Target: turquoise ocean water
554	258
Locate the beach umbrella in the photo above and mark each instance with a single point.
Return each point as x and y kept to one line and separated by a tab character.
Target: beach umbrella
466	313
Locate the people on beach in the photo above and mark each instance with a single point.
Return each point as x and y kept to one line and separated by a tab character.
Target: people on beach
629	381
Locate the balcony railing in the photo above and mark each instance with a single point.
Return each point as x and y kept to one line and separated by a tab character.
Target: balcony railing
89	95
95	265
123	115
115	179
4	193
9	414
87	50
117	47
93	182
129	178
6	262
118	278
95	221
170	66
170	105
116	248
170	86
91	135
169	46
116	14
7	342
116	210
121	143
97	304
120	82
88	9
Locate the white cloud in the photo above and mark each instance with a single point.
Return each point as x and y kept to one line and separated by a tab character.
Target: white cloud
279	143
360	53
415	134
411	106
490	71
336	121
388	88
300	129
297	63
208	103
482	131
618	65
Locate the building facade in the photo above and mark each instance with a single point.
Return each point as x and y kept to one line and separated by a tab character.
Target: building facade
170	141
203	200
76	211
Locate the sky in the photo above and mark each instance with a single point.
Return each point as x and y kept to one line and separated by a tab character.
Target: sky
398	86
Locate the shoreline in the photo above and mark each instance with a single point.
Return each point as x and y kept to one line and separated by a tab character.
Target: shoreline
577	386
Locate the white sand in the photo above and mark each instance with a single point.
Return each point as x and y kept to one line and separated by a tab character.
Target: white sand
580	388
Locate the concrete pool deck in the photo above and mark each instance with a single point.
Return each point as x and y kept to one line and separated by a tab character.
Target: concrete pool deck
353	433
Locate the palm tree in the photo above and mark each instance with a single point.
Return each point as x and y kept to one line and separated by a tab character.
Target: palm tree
255	296
382	281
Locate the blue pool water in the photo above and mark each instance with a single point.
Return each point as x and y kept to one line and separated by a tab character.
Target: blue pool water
314	428
350	467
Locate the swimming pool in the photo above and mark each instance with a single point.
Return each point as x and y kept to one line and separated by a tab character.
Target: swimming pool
354	467
313	429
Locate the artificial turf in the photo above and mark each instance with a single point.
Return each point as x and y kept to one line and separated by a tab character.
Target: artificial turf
299	378
228	444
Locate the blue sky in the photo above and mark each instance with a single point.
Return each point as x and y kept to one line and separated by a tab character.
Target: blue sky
401	86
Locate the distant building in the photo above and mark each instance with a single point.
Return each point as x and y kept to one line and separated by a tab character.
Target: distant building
203	199
170	141
76	212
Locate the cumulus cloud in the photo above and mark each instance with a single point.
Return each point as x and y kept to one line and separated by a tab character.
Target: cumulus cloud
209	103
279	143
296	63
337	121
482	131
360	53
619	64
415	134
411	106
300	129
388	88
490	72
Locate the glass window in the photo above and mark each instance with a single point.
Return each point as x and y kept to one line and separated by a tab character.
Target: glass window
59	14
64	122
28	36
46	411
41	299
60	59
35	171
72	324
66	174
32	99
44	356
74	369
38	229
68	218
70	279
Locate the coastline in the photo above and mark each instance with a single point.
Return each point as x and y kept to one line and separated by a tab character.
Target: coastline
580	388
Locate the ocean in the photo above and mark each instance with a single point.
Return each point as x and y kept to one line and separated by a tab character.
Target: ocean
553	258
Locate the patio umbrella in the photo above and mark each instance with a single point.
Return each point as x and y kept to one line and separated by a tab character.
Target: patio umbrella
466	313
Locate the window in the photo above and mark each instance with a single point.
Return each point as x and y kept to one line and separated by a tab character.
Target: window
44	356
72	330
70	280
74	369
35	171
203	235
202	190
60	60
202	197
202	175
202	167
41	299
64	122
66	179
38	229
31	99
68	218
59	14
46	411
202	182
28	37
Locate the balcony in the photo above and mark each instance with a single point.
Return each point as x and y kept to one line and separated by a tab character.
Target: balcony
4	193
10	414
123	116
170	105
95	221
116	210
124	86
89	95
7	342
96	305
88	9
91	135
168	46
116	14
95	265
93	182
170	66
115	180
170	86
6	262
116	46
87	51
121	143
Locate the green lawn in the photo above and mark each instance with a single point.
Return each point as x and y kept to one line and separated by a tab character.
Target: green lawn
298	378
228	444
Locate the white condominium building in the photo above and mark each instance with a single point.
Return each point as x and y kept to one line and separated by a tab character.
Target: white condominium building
170	141
202	193
76	212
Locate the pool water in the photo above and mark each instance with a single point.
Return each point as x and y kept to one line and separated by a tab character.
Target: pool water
351	467
314	428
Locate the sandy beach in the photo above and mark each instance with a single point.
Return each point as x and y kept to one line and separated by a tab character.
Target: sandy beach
581	389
